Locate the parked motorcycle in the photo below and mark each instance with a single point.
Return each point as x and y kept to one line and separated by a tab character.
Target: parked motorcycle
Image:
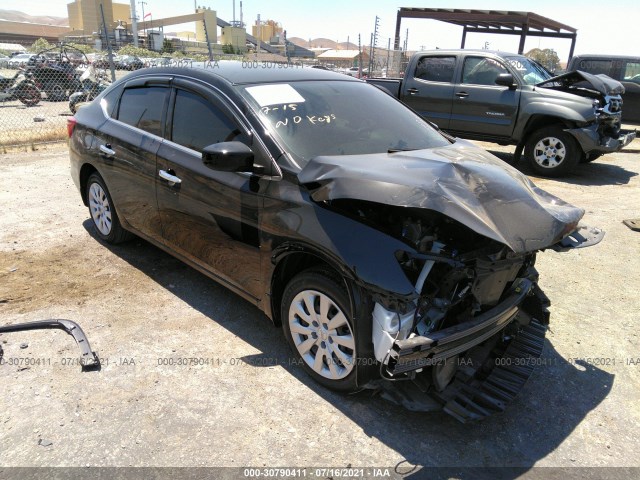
92	85
56	77
19	88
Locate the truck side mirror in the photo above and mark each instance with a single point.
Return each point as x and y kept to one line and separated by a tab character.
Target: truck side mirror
228	157
506	80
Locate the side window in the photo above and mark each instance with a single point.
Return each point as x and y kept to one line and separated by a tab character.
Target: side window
435	69
143	107
595	66
632	72
481	71
197	123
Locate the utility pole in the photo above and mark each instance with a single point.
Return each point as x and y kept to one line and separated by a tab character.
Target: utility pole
142	4
134	23
359	58
106	37
388	54
374	44
259	39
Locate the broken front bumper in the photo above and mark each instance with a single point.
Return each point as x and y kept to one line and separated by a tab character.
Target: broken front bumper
590	139
425	351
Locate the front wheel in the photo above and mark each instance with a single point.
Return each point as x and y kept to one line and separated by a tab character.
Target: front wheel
103	213
317	322
551	152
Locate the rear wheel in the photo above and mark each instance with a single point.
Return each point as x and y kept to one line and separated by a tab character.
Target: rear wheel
104	216
317	322
56	92
29	96
551	152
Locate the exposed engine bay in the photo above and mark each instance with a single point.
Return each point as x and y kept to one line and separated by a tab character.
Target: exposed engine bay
459	274
605	92
461	279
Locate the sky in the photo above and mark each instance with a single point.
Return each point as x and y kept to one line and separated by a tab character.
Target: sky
602	28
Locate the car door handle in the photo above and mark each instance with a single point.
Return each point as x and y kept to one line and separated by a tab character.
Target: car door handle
412	91
462	94
172	179
107	151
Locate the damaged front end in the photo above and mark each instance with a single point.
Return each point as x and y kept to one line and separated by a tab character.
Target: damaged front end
468	336
475	300
605	134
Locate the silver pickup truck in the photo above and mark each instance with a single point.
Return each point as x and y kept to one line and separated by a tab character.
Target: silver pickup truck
510	99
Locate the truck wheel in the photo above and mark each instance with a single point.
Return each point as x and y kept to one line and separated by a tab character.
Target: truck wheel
590	157
552	152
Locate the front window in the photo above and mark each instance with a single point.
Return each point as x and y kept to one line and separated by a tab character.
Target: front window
314	118
529	71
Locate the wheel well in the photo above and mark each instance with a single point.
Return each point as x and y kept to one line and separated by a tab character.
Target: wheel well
285	270
538	121
86	170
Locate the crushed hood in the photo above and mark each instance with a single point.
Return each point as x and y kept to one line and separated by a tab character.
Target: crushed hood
460	181
578	79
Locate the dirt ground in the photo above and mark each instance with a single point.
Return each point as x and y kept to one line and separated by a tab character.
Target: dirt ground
194	376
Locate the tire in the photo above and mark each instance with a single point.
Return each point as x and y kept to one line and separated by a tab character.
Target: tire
317	323
552	152
56	92
30	95
103	213
590	157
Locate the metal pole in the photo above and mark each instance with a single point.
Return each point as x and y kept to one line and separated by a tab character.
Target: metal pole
142	4
134	23
106	36
388	54
259	38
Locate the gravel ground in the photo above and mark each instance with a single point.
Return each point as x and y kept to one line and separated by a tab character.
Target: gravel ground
243	402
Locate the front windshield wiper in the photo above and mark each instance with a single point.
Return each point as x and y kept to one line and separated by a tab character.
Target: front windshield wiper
396	150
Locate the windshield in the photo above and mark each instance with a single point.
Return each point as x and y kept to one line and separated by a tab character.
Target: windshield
314	118
530	71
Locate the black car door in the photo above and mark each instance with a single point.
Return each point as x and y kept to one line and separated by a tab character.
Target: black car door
126	147
208	216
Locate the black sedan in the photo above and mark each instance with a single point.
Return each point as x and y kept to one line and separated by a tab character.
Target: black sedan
385	249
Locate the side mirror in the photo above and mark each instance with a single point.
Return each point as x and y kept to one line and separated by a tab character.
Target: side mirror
228	157
506	80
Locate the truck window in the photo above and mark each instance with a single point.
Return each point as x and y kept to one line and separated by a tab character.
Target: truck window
481	71
632	72
435	69
595	67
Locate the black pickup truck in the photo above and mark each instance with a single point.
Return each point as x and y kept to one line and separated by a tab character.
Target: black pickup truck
510	99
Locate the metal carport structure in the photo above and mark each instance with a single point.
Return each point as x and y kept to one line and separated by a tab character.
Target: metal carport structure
492	21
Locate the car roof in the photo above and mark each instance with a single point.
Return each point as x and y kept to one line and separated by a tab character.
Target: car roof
455	51
605	57
247	72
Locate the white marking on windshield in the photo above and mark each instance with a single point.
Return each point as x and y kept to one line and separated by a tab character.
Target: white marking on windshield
275	94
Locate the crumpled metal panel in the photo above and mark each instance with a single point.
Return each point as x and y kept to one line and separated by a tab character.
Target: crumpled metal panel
460	181
601	83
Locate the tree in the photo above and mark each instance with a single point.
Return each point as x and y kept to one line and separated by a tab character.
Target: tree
167	46
548	58
228	48
40	45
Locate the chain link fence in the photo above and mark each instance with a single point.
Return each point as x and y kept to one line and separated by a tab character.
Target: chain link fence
39	92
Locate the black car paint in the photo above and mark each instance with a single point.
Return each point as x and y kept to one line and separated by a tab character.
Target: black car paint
250	231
